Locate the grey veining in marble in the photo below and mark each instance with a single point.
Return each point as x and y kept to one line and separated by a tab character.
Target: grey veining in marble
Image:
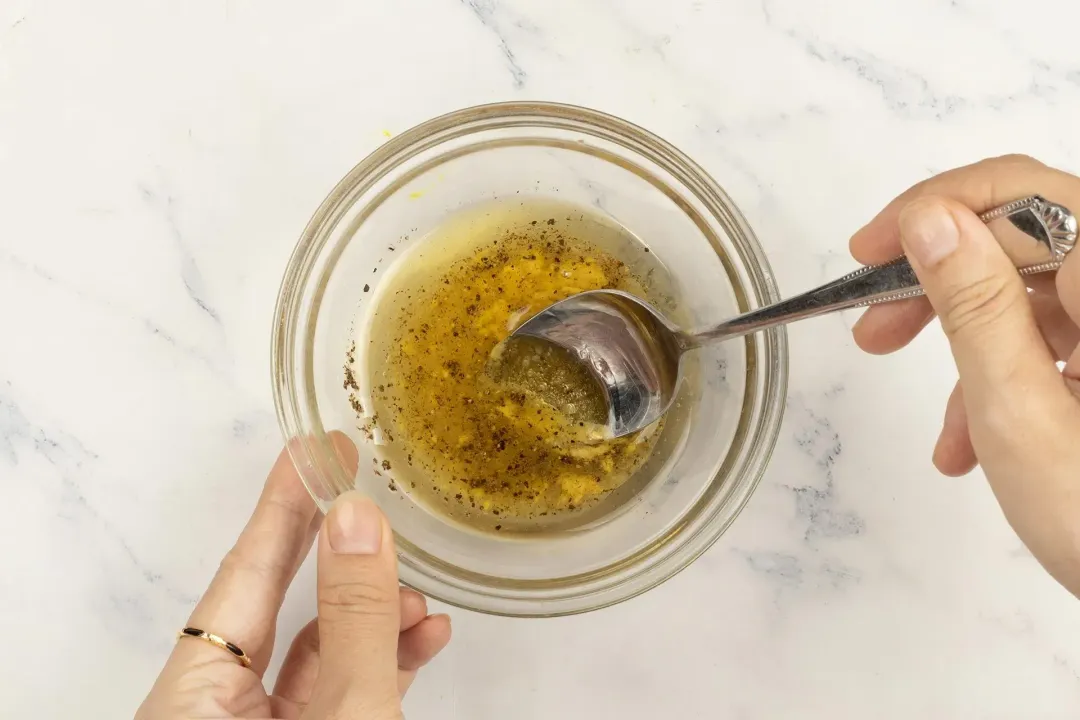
157	164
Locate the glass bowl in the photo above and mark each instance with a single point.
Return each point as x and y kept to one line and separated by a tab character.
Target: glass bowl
712	452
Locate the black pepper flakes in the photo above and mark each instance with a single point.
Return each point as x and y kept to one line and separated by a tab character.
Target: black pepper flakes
456	421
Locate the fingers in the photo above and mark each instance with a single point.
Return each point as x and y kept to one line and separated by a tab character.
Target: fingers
1068	285
1057	328
982	303
886	328
980	187
954	454
243	600
413	608
359	610
1068	291
300	669
419	645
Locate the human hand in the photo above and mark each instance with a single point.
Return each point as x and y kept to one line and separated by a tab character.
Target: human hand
1013	411
354	661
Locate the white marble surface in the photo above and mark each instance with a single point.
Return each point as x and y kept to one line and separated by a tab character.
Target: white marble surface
158	161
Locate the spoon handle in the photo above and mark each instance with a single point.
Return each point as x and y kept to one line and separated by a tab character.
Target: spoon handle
1051	226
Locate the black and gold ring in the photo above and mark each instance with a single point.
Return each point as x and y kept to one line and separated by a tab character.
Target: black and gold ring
220	642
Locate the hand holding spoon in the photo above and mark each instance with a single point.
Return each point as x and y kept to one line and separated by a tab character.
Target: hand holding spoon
635	352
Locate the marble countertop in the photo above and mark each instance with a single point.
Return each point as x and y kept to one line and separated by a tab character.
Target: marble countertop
157	163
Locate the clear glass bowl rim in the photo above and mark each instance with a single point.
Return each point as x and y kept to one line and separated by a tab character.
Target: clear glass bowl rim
309	451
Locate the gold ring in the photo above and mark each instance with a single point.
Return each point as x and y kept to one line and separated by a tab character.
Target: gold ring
220	642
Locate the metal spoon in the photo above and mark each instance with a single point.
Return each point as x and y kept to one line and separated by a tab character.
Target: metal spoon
635	352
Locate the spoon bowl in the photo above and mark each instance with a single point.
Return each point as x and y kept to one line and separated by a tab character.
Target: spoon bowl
631	348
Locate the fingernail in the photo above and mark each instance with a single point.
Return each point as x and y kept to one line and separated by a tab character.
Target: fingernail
928	233
354	525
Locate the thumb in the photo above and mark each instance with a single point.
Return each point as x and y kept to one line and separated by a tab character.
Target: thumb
983	306
359	612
